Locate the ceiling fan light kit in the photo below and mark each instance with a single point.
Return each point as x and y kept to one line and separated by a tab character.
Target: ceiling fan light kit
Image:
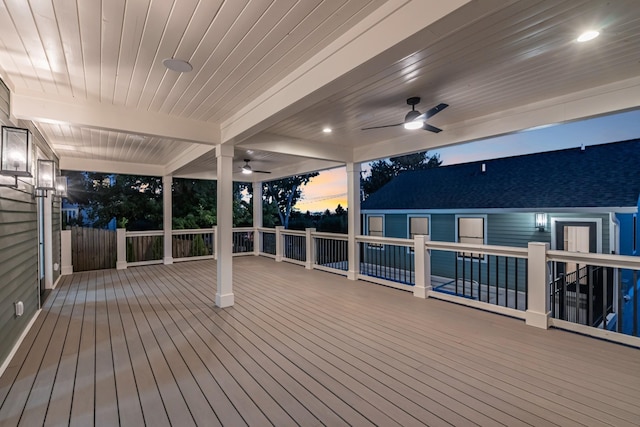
247	170
415	120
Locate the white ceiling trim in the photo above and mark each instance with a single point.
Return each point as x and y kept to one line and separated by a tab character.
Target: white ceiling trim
614	97
297	147
110	117
109	166
391	24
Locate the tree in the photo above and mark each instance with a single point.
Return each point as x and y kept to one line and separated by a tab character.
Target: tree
284	193
383	171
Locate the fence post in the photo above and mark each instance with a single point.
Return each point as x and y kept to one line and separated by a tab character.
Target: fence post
537	313
121	245
65	253
310	252
215	242
279	243
422	267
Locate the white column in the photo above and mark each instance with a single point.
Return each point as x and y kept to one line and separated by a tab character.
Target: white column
538	299
48	242
167	215
279	242
310	249
65	253
422	267
257	215
353	216
224	232
121	247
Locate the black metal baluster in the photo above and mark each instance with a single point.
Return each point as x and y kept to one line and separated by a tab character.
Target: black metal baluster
517	282
620	316
605	277
590	295
635	303
506	281
471	273
497	280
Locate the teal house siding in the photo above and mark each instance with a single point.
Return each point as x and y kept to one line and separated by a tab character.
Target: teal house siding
395	225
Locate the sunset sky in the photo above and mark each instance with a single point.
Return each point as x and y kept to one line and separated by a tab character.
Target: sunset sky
330	187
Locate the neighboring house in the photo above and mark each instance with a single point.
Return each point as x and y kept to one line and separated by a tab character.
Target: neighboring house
587	198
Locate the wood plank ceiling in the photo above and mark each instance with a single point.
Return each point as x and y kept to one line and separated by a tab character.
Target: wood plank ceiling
483	59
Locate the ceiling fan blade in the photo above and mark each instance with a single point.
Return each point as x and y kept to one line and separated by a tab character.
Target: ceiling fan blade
432	112
380	127
430	128
255	171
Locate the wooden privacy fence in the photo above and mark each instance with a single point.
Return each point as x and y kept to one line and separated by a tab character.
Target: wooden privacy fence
93	249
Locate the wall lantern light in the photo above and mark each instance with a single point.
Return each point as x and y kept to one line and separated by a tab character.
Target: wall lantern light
61	186
15	157
45	177
541	221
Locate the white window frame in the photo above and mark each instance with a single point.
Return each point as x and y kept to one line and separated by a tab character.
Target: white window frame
366	226
484	232
428	216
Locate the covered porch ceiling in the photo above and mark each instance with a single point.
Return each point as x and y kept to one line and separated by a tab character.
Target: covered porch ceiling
268	76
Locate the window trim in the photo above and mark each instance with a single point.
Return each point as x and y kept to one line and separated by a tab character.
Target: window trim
484	233
379	247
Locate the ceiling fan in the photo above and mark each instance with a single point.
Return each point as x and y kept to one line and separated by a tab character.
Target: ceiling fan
415	120
246	169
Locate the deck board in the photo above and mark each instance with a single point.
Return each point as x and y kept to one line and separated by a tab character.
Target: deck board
147	346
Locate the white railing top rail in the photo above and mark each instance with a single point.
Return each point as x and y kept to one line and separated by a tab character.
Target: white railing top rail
193	231
242	229
385	241
293	233
482	249
332	236
266	230
604	260
144	233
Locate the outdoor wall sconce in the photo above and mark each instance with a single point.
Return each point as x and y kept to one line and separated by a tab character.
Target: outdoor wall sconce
15	157
61	186
45	177
541	221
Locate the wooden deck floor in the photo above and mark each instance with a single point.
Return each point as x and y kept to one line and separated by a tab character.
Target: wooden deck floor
147	346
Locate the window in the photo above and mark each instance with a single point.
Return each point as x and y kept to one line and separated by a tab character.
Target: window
375	227
471	230
418	225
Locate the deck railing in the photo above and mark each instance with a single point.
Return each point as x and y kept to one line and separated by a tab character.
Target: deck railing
596	291
187	245
595	294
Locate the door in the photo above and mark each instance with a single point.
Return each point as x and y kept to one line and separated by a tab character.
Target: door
581	289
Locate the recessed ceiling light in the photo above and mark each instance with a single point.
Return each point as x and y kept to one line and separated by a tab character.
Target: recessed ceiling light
179	65
588	35
326	130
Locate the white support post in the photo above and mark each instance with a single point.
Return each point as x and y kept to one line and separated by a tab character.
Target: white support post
279	243
121	245
224	232
48	242
353	217
167	214
311	256
422	267
538	312
215	242
66	267
257	216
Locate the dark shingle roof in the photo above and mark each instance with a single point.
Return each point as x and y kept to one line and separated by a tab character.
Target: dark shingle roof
605	175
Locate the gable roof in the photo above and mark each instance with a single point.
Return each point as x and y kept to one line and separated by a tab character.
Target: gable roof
605	175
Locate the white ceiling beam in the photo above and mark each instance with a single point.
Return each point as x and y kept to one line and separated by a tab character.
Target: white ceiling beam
369	40
39	107
194	152
109	166
615	97
297	147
